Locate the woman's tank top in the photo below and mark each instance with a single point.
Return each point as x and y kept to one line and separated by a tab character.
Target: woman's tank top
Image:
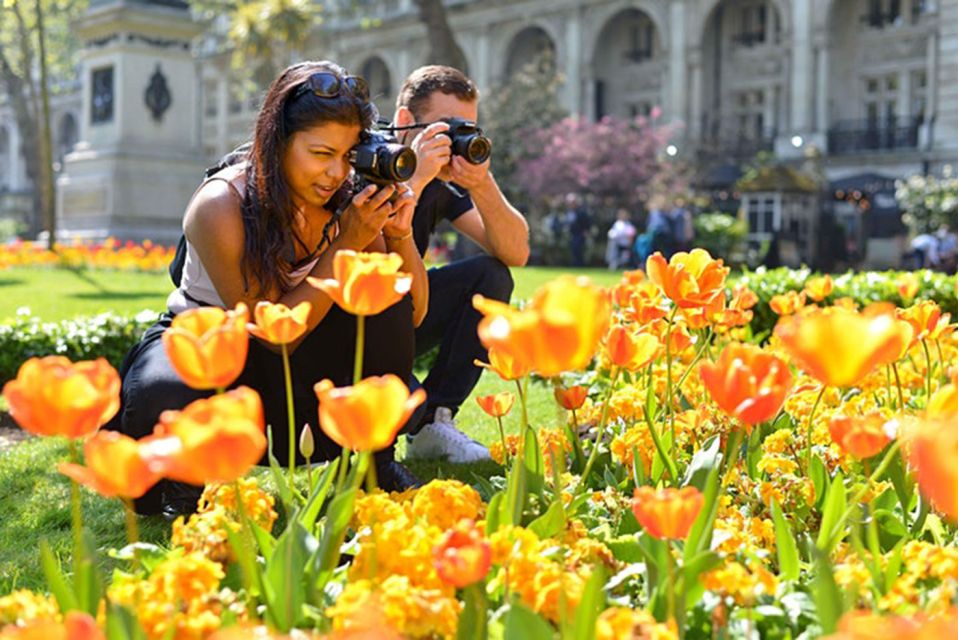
196	288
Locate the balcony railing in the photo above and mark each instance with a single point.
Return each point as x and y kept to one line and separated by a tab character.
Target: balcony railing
855	136
718	139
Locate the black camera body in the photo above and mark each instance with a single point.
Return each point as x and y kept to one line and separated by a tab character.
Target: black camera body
468	140
381	159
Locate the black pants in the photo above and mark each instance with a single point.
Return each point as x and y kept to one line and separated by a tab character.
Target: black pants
151	385
451	323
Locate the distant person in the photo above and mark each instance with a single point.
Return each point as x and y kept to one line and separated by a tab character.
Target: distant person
579	224
658	234
621	237
947	249
924	249
680	219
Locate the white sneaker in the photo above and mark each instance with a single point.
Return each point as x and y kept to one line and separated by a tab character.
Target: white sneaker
441	439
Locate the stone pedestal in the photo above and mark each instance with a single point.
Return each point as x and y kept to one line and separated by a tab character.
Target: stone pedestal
139	158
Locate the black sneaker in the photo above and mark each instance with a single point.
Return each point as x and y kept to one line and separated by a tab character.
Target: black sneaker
180	499
393	476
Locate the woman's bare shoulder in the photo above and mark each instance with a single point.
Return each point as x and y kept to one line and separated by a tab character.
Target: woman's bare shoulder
214	214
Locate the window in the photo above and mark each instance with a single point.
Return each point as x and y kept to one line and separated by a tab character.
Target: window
750	113
210	99
101	96
883	13
236	97
761	215
641	40
881	101
919	95
753	25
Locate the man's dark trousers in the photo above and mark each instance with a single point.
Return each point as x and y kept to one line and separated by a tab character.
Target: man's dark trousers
451	323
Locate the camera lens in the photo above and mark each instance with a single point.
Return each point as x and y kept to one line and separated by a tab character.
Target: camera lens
478	149
403	164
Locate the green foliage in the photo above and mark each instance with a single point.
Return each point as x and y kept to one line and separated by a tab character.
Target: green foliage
722	235
105	335
928	202
863	287
528	101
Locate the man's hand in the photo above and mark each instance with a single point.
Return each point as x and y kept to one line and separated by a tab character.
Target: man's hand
433	151
470	176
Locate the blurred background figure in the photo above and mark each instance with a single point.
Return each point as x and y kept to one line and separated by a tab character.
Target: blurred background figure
618	252
579	223
680	219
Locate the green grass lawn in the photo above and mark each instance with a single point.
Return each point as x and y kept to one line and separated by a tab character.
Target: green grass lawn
34	498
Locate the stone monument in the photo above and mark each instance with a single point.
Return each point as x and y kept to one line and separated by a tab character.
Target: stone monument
139	157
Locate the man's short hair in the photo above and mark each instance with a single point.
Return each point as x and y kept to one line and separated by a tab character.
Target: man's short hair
425	81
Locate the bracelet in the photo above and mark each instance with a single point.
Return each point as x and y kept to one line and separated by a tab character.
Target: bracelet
398	238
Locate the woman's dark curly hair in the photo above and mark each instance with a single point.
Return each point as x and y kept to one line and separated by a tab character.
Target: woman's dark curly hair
268	206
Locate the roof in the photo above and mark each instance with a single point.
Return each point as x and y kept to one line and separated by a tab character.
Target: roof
777	178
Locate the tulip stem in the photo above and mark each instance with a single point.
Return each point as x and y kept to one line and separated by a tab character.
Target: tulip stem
670	596
594	454
132	530
698	356
853	503
502	436
291	417
901	396
522	400
371	477
75	508
808	431
360	343
668	374
924	346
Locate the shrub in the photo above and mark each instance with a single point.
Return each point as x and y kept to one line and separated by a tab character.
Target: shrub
722	235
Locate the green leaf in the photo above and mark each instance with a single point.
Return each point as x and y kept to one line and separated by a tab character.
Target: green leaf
788	561
307	517
473	623
521	623
279	476
58	584
284	574
516	492
706	459
828	599
121	624
535	466
87	581
819	475
550	523
494	512
337	519
591	605
835	503
700	535
627	549
690	584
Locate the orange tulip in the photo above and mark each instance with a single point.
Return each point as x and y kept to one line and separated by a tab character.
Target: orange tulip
907	285
496	405
213	439
365	284
622	291
679	338
630	350
860	436
463	557
867	625
667	513
207	346
839	347
507	367
688	279
277	323
366	416
926	319
819	288
52	396
788	303
114	466
944	402
645	303
747	383
571	398
933	451
76	625
558	331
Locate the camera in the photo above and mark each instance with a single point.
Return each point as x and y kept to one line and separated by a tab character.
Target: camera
468	140
380	159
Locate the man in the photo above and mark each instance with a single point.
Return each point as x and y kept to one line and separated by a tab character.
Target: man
450	188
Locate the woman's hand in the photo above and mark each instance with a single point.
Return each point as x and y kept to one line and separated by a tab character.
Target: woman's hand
404	204
363	219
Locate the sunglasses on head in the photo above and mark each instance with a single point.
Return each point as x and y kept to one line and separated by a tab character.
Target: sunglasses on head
326	84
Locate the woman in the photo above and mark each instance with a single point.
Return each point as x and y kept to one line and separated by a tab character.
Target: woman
254	231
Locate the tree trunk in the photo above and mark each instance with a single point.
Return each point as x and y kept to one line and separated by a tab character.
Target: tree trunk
29	134
443	48
45	186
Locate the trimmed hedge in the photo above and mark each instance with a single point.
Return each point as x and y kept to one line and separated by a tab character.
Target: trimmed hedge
107	335
864	287
110	335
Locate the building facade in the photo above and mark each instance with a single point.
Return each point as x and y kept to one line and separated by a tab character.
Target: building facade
871	84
